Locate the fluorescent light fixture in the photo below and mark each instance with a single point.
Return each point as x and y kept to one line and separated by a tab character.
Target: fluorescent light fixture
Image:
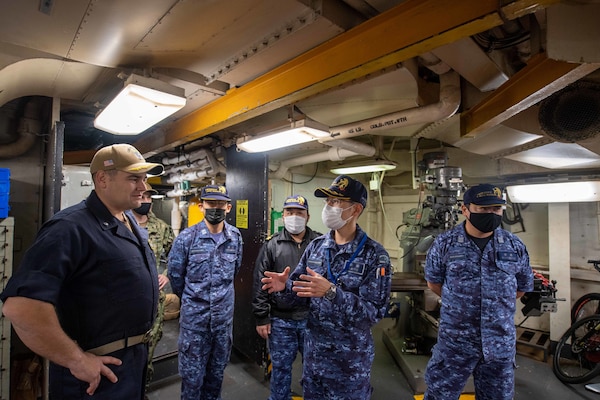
371	166
558	155
142	103
301	131
561	192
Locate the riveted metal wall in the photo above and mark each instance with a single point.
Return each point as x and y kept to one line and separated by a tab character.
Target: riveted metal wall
247	184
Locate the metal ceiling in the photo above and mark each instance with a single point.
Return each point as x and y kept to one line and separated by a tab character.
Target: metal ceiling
246	65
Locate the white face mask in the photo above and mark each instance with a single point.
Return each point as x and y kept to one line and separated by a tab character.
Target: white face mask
332	217
294	224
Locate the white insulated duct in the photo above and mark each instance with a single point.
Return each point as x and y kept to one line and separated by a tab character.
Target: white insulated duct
178	192
352	145
445	108
333	154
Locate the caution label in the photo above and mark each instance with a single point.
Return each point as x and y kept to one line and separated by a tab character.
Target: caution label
241	214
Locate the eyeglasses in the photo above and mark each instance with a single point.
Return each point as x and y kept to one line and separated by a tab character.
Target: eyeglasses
215	203
336	202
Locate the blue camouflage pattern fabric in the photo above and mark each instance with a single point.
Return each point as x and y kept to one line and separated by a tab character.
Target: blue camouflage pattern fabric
477	332
285	341
202	274
205	356
338	346
287	321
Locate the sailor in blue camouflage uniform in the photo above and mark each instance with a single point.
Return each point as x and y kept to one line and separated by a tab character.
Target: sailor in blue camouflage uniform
345	277
202	265
479	270
283	325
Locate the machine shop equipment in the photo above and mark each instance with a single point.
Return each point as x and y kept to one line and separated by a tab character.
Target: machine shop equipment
414	333
415	328
437	212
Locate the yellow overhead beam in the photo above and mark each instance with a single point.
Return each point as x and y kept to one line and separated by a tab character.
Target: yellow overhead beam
403	32
539	79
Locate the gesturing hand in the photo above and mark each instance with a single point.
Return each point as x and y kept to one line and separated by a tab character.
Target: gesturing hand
311	284
275	281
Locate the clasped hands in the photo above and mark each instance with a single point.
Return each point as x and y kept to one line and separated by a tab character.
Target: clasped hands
310	284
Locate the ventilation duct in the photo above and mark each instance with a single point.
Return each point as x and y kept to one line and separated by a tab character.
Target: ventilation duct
573	113
340	150
30	127
445	108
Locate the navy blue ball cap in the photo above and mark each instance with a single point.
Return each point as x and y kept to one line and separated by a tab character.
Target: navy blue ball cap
484	195
214	192
296	201
345	188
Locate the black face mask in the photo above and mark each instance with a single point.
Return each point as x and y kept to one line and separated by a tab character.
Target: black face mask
144	209
485	222
214	216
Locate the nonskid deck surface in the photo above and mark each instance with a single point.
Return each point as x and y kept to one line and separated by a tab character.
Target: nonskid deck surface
244	378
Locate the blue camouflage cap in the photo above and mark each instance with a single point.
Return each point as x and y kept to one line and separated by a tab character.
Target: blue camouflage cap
345	188
296	201
214	192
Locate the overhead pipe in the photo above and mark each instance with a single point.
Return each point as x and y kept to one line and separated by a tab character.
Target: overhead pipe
357	147
206	164
333	154
196	165
189	176
444	108
184	158
29	128
183	192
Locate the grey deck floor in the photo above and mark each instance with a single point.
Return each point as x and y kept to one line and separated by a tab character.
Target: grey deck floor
244	378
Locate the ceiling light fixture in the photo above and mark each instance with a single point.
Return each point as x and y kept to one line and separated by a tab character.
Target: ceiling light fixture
365	167
561	192
301	131
142	103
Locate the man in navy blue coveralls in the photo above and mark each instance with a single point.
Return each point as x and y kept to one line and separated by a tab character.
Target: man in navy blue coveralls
86	291
345	278
202	266
479	270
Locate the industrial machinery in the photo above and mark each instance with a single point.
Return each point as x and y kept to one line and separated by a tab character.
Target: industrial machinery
416	307
436	213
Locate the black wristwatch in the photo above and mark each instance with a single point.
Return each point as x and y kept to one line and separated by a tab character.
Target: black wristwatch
330	293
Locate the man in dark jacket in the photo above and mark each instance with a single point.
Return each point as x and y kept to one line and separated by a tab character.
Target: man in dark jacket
282	325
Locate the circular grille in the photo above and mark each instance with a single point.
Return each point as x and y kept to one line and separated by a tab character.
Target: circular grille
572	114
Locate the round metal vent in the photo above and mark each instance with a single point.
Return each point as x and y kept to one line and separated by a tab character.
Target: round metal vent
572	114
